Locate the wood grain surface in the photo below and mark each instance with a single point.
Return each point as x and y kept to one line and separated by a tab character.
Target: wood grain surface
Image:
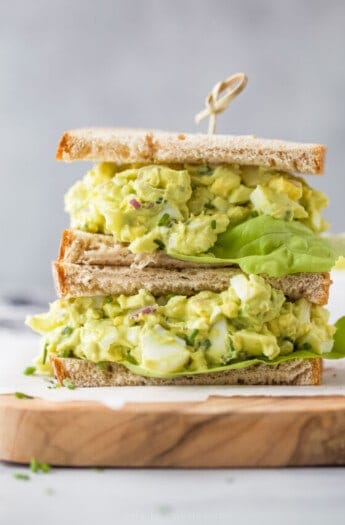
219	432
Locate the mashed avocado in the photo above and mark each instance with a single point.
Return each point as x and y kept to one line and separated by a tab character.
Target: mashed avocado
179	334
183	209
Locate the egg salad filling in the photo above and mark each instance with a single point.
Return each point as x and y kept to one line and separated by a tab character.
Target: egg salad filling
184	209
248	323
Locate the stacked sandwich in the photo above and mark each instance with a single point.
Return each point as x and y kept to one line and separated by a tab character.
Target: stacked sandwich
191	259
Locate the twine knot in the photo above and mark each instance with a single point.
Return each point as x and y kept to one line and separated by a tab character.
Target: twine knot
214	105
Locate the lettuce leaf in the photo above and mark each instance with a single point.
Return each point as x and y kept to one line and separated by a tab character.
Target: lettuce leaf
339	338
337	352
270	246
337	242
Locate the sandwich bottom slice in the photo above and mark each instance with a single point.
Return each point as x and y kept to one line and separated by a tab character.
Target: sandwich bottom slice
248	333
84	373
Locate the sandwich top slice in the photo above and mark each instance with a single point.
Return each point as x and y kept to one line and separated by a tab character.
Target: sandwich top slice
203	199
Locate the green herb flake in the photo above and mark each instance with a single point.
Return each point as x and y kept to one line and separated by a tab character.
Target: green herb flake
159	243
67	330
39	466
165	220
190	339
205	344
67	353
34	465
68	384
213	224
21	395
29	370
131	359
306	346
108	299
45	468
204	170
21	476
102	366
45	353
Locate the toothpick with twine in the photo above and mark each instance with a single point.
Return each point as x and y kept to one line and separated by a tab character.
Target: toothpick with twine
214	105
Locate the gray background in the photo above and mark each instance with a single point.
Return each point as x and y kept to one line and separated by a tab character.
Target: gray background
150	63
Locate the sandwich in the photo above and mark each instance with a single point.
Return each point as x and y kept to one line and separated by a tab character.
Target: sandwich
190	259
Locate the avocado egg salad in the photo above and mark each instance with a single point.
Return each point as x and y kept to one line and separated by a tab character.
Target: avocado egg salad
190	259
264	220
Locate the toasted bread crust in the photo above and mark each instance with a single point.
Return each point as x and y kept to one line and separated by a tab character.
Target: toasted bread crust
85	373
125	146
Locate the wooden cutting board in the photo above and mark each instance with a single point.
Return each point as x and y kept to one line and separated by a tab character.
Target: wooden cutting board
219	432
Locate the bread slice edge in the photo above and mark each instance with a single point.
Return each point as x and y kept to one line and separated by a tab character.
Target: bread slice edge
84	373
77	280
125	146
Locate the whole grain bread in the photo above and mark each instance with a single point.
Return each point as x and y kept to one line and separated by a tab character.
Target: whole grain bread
76	280
125	146
85	373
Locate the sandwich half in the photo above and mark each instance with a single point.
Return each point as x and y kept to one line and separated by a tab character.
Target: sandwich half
250	332
191	259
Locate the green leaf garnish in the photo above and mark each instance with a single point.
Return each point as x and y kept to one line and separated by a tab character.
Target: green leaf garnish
213	224
29	370
269	246
21	395
108	299
102	365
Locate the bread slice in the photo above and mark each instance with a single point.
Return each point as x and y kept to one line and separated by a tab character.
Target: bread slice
77	280
85	373
81	247
125	146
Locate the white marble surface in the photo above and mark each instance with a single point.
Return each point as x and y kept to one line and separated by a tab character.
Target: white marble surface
272	496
